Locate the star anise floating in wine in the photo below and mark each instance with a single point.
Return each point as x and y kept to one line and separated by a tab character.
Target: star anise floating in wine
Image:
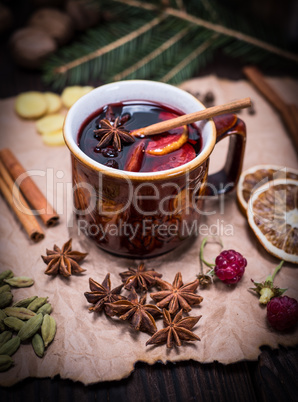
140	278
63	261
177	296
101	294
175	330
136	311
112	132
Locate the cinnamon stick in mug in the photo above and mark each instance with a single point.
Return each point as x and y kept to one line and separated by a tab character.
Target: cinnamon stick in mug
19	206
29	189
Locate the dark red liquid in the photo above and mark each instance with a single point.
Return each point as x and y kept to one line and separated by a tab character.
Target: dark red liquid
135	115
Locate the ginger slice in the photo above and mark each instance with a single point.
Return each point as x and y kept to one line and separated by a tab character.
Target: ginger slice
31	105
54	102
71	94
163	147
53	138
50	123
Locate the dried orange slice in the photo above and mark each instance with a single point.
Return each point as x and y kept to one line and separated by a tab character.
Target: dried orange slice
258	175
272	213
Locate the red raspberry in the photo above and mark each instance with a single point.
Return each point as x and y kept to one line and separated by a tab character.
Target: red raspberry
282	312
230	266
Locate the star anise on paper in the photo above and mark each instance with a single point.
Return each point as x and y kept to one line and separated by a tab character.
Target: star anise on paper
177	295
110	131
139	278
139	314
175	330
63	261
101	294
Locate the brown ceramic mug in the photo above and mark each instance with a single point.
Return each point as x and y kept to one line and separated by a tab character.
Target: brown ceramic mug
142	215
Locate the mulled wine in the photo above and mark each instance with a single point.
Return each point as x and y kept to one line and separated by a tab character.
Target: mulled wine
106	138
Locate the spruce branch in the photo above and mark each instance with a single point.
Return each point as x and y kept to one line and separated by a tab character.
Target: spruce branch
112	46
172	73
218	29
157	52
165	40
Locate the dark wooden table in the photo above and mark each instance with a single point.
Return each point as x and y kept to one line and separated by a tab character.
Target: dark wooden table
272	378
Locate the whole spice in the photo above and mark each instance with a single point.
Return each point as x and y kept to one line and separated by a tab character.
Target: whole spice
38	345
63	261
28	188
24	302
10	347
266	289
136	311
31	327
177	296
19	312
37	303
19	281
4	337
2	318
4	275
175	330
112	131
14	323
14	319
4	288
140	278
45	309
101	294
48	329
5	299
5	362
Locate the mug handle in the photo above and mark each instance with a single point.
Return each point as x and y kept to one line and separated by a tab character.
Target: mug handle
224	181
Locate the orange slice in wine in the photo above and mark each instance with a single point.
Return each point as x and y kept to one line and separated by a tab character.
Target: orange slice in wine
165	144
177	158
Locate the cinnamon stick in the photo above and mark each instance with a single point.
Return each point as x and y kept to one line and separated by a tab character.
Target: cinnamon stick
193	117
20	207
29	189
259	81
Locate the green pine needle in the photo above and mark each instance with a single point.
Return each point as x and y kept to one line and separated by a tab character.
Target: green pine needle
161	40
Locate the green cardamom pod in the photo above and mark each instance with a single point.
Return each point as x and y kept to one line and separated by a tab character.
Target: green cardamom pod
10	347
2	316
48	329
4	337
38	345
4	275
14	323
4	288
5	362
19	312
24	302
37	303
31	327
5	299
19	281
45	309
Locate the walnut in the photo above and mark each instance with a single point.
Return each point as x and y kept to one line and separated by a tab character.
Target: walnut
6	18
31	46
55	23
84	13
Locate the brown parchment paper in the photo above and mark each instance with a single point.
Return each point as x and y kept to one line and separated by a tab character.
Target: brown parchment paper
89	347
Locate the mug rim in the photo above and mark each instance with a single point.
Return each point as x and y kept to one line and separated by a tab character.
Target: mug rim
117	173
